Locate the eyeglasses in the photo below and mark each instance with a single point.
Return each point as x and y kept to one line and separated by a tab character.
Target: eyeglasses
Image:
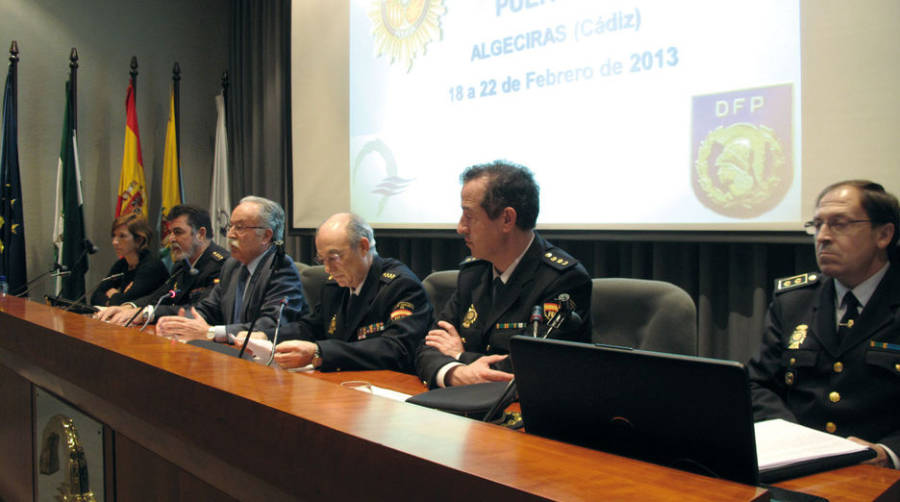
240	228
331	256
837	226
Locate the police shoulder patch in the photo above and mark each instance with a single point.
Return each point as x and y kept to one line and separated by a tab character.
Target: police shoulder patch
470	260
796	281
559	259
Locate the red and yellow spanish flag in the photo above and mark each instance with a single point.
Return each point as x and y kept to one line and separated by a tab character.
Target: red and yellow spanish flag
132	184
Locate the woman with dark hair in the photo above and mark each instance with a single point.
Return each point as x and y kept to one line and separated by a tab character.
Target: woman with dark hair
142	271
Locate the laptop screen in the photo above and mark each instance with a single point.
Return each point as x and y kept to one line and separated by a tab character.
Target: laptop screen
685	412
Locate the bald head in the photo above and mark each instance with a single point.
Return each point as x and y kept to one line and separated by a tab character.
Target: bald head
346	246
353	226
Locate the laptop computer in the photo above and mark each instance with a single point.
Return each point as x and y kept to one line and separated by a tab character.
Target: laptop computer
689	413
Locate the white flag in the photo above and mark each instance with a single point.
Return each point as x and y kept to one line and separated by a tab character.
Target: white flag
219	201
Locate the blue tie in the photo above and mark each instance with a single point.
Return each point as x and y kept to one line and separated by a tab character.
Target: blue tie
239	295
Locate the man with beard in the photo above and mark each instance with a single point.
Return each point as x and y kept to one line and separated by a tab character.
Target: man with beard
197	263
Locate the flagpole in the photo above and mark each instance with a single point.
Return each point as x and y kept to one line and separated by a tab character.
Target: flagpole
14	69
134	74
225	92
176	96
13	265
73	78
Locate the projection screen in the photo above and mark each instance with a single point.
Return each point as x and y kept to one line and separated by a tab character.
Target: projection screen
645	115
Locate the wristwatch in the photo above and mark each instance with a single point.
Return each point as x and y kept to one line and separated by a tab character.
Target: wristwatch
317	357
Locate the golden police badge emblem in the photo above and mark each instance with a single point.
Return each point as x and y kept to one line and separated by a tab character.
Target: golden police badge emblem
402	28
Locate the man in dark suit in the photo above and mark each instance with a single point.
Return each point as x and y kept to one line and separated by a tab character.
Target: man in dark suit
248	281
830	357
511	271
197	260
373	311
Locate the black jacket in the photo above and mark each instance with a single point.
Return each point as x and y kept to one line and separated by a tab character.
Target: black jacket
147	276
544	272
266	288
382	333
190	288
805	374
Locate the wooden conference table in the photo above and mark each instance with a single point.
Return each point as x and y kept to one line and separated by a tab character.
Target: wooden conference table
182	422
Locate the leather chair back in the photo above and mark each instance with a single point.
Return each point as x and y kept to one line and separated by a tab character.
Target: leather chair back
644	314
439	286
312	278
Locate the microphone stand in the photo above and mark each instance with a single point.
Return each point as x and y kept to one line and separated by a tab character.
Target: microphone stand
89	248
275	336
537	313
276	260
170	294
63	271
193	271
83	295
131	319
506	397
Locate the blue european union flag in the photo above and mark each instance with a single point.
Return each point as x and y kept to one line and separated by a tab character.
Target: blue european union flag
12	228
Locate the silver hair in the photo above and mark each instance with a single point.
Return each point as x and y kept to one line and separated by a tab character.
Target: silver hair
270	215
357	228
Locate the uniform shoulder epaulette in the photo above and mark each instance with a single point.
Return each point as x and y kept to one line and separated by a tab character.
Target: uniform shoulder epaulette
388	276
559	259
796	281
217	256
470	260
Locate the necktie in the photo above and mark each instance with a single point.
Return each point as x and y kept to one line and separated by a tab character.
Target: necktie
845	327
352	304
497	292
239	295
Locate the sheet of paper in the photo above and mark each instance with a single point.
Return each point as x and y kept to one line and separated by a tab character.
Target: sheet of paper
381	391
780	443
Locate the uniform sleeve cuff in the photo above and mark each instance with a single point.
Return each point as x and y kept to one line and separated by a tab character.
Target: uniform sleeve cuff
893	456
442	373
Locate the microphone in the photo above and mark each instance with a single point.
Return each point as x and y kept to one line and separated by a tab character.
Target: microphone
83	295
64	271
170	294
191	270
565	315
537	314
89	248
282	303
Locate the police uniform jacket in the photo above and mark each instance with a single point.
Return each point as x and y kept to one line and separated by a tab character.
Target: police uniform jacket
382	328
190	288
135	283
804	373
266	288
486	326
